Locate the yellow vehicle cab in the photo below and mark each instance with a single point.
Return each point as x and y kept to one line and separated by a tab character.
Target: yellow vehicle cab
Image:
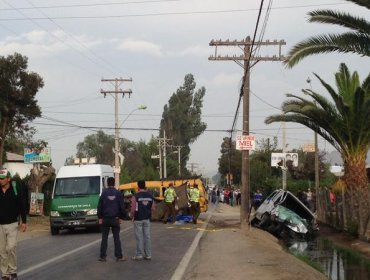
157	189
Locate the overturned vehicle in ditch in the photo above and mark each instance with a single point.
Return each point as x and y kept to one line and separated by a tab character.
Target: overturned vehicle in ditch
285	216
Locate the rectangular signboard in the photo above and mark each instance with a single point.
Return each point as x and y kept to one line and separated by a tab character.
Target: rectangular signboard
309	148
37	203
278	157
245	142
32	156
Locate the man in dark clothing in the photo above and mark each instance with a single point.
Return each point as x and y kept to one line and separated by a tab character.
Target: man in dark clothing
111	214
12	205
142	204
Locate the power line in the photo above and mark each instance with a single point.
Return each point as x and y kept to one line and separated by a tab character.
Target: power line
92	5
105	63
162	14
25	17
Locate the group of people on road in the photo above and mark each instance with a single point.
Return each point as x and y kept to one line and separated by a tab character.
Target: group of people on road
111	212
231	196
170	198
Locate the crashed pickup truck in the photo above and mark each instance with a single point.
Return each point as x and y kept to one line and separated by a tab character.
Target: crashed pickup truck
285	216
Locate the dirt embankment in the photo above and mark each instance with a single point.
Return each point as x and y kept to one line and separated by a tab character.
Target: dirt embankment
36	226
344	240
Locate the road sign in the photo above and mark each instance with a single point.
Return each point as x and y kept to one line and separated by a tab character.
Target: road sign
245	142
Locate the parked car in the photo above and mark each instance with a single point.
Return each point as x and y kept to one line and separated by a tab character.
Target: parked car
285	216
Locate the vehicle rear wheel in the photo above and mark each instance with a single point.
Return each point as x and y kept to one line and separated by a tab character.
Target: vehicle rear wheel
54	231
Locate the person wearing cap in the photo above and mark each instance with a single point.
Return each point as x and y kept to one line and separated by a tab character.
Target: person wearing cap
12	205
170	197
142	204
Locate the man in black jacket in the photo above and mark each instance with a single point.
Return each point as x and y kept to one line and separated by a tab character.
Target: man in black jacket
12	205
111	214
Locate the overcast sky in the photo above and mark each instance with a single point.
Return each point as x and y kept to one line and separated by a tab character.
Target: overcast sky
74	44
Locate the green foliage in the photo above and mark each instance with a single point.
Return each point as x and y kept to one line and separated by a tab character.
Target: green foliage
352	228
230	160
338	122
181	118
355	40
307	260
18	105
99	145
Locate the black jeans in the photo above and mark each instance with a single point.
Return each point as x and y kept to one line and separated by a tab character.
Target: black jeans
108	223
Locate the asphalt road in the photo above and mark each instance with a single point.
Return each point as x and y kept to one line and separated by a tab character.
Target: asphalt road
75	255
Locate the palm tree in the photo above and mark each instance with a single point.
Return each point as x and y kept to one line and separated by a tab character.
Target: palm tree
344	123
356	40
364	3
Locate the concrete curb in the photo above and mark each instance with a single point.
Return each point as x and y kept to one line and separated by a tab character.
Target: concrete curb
181	268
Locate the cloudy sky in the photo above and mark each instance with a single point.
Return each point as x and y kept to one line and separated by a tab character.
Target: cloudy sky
74	44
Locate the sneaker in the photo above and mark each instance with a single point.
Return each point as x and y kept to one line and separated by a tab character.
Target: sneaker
148	258
13	276
137	258
121	259
102	259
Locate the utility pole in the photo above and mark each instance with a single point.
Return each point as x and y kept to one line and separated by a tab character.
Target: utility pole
192	166
244	60
284	168
317	174
179	157
116	83
162	143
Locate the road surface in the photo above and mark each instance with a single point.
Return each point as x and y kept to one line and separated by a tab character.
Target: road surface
74	255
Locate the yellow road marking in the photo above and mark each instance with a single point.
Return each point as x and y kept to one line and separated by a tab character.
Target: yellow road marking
201	229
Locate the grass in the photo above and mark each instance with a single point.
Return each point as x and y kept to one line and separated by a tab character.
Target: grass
307	260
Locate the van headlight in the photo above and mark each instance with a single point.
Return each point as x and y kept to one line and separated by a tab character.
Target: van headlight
92	212
54	214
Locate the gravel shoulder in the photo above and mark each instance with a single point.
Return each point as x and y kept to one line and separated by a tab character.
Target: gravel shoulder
227	252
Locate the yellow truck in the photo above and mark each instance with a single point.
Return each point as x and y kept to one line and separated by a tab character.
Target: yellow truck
157	189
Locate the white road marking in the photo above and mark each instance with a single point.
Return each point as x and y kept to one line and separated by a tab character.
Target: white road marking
57	258
181	268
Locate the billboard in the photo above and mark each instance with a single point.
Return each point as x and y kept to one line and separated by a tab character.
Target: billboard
245	142
278	157
40	156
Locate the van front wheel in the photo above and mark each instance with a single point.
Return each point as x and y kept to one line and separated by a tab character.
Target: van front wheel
54	231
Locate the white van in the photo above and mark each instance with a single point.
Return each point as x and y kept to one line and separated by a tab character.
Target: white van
76	194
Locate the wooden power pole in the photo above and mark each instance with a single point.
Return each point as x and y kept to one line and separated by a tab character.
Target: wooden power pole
244	60
116	82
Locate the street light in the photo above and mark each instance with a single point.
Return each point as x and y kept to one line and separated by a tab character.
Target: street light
141	107
117	166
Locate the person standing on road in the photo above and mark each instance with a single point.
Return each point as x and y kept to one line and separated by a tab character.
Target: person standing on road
12	205
170	197
194	196
111	214
142	204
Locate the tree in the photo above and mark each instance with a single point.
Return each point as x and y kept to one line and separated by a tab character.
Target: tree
356	40
137	163
344	123
181	118
18	105
230	160
99	145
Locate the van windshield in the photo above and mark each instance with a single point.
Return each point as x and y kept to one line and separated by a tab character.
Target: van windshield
77	186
